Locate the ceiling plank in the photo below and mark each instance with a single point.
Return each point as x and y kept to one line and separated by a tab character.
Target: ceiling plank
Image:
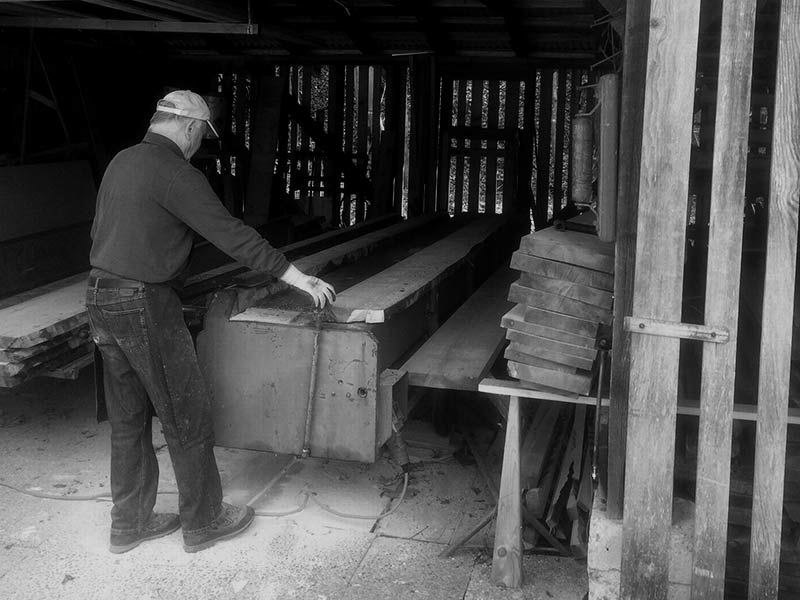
198	9
130	9
129	25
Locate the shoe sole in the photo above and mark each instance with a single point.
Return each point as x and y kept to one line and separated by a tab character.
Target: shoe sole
127	547
209	543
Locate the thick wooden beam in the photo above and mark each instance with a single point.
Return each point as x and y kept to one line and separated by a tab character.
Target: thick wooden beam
129	25
544	132
633	77
666	147
722	299
779	303
608	151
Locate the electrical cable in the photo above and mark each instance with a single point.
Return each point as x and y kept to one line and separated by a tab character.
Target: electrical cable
101	496
105	497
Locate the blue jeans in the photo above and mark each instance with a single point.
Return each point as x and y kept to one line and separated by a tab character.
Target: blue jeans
149	357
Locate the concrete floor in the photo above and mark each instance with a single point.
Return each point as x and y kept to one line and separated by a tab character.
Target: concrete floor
51	444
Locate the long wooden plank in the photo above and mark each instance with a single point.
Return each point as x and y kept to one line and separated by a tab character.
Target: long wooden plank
515	319
722	299
671	55
507	557
524	295
559	270
776	337
572	247
568	289
633	74
578	384
41	318
325	260
461	352
397	287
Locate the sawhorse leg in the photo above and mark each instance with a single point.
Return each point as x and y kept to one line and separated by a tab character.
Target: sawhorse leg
507	557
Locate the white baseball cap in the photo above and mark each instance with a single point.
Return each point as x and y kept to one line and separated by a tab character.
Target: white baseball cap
186	104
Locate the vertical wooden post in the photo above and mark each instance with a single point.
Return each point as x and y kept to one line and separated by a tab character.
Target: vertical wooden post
608	144
461	116
511	125
420	133
664	186
268	103
776	335
363	130
348	106
432	139
558	159
445	120
507	559
475	120
634	72
305	142
492	119
722	298
332	176
544	133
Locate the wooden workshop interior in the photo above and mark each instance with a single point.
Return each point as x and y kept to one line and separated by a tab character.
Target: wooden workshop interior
576	216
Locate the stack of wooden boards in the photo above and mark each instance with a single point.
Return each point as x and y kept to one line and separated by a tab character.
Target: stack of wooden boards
555	475
45	332
565	290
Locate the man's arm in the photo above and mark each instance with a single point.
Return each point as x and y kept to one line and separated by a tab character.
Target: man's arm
192	200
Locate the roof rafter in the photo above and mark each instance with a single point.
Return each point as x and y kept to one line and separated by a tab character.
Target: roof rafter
513	18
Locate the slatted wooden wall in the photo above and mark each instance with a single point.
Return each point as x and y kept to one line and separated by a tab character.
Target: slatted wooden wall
658	295
505	144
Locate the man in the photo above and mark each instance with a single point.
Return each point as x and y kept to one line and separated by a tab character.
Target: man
149	203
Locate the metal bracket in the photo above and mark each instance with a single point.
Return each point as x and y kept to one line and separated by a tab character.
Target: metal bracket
686	331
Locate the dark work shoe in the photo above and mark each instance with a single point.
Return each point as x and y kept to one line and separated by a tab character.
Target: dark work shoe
158	526
231	521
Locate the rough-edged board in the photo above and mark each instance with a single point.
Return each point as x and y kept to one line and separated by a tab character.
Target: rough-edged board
571	247
531	297
399	286
40	318
554	320
515	319
779	305
535	342
518	353
553	355
722	298
578	384
460	353
663	190
568	289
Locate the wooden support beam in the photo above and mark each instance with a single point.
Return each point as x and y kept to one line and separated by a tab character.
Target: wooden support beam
420	160
669	102
269	98
507	557
558	159
633	74
779	303
88	23
722	299
544	131
492	120
476	116
608	151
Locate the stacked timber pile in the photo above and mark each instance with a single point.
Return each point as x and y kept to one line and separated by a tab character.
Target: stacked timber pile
45	332
555	475
565	290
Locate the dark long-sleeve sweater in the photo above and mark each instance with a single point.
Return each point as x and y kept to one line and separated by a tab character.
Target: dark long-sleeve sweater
149	202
